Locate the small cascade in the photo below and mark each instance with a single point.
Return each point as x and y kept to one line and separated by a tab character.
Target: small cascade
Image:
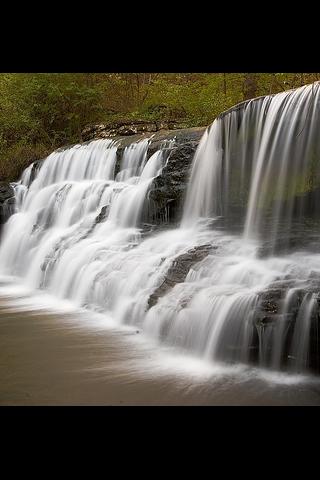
127	208
281	329
204	195
133	161
61	205
301	336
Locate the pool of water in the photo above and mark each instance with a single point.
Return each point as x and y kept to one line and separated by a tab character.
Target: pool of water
52	353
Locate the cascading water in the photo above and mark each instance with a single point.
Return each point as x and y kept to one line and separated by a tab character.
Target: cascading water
219	294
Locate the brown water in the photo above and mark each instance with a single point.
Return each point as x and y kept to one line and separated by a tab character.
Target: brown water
55	355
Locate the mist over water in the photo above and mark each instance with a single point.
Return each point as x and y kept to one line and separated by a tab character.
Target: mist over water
77	234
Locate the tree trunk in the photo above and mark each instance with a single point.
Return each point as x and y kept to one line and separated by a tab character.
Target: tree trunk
250	86
224	84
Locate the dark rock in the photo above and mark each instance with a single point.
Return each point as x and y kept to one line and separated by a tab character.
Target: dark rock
269	313
261	319
165	199
179	270
103	215
6	201
168	190
35	169
6	191
270	300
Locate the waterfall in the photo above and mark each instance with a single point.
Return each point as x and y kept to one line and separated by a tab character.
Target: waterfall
204	195
262	157
300	339
61	206
222	293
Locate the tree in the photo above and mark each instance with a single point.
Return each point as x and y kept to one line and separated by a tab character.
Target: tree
250	86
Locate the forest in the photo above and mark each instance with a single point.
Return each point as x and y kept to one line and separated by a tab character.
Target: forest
40	112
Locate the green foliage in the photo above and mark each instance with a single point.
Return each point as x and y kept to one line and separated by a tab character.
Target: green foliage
43	111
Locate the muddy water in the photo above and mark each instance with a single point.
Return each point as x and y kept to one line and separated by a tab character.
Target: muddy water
54	354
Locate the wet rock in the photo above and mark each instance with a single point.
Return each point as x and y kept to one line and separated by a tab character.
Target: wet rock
168	190
179	270
262	319
166	194
270	305
270	301
103	215
7	201
6	191
268	315
35	169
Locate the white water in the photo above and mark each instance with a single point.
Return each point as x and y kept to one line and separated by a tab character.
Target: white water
204	195
54	241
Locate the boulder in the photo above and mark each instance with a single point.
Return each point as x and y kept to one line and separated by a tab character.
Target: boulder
103	215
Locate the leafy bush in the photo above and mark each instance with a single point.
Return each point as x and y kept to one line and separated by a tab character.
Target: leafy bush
43	111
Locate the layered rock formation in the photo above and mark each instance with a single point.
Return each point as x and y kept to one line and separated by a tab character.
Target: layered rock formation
127	128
